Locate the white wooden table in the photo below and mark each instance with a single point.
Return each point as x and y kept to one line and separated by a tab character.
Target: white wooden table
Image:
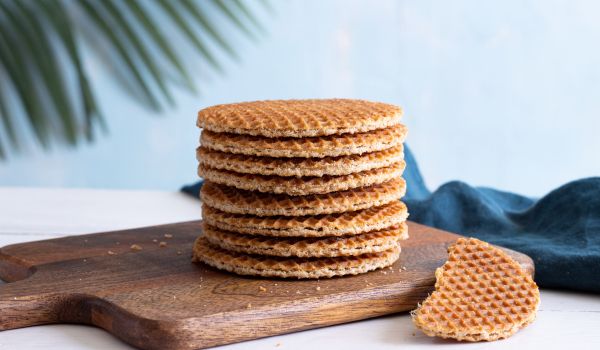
565	319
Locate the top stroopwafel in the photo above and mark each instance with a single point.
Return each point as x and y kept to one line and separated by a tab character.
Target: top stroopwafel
342	165
299	118
481	293
315	147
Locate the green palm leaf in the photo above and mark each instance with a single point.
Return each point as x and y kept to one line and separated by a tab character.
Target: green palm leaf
44	84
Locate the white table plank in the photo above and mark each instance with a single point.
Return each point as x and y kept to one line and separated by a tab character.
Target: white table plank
60	212
564	320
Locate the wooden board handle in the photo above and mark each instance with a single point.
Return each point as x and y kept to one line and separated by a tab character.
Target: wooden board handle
20	307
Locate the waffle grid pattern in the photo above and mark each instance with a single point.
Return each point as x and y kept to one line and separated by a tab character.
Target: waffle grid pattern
480	294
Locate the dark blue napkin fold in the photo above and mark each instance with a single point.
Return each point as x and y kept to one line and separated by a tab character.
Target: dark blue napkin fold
560	231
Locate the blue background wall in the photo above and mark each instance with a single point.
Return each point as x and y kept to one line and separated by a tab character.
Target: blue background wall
503	94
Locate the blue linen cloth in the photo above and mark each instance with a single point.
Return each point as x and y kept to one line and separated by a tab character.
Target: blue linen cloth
560	231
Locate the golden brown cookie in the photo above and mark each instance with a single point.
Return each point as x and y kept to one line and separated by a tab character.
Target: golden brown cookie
233	200
481	293
299	118
300	186
339	224
257	265
342	165
370	242
307	147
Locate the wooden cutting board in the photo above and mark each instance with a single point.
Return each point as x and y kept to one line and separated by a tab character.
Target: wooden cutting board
157	299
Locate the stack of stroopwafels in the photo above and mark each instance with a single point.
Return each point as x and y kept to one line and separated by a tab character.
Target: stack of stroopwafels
301	188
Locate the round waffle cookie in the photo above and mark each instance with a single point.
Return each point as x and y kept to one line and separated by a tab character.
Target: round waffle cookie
370	242
256	265
481	293
299	118
342	165
233	200
299	186
339	224
315	147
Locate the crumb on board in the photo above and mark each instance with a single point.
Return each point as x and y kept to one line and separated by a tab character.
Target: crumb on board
179	252
135	247
249	306
278	345
318	288
162	244
262	289
155	240
403	268
110	252
168	235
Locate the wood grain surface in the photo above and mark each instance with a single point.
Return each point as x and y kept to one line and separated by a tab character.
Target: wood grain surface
155	298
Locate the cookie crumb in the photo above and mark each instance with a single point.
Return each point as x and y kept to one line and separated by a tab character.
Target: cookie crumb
155	240
168	235
277	345
249	306
262	289
110	252
318	288
403	268
162	244
179	252
136	247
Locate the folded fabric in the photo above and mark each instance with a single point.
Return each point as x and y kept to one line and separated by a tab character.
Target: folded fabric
560	232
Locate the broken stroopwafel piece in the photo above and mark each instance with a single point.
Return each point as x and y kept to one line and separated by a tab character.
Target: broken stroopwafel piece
481	293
